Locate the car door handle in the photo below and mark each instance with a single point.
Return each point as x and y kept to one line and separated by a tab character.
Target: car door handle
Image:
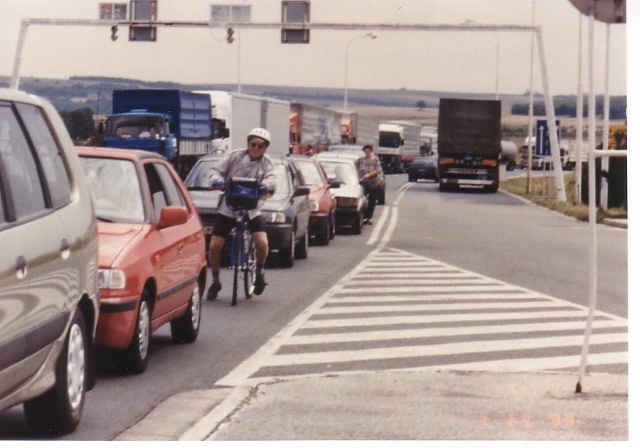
65	249
180	248
21	267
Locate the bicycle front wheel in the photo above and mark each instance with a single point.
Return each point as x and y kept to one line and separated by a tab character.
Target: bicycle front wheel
249	266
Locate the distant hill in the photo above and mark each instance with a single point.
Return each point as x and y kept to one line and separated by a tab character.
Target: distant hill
95	93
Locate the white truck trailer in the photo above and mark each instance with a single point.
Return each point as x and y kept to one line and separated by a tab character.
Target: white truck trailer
313	126
235	114
398	145
359	129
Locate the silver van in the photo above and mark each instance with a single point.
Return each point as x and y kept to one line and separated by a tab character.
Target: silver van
48	267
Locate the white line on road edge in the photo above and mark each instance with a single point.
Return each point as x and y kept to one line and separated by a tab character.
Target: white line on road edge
240	380
376	230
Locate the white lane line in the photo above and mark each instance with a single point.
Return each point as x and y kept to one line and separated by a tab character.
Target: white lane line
378	227
249	366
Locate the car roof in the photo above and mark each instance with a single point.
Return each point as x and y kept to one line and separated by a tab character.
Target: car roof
136	155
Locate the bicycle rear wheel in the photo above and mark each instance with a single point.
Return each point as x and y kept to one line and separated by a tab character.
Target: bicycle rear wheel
237	261
249	265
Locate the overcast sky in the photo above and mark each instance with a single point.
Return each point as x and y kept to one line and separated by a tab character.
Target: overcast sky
443	61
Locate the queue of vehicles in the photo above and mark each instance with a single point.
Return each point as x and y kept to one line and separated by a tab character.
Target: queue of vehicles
116	245
131	241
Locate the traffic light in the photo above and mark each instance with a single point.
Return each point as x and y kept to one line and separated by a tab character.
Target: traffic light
229	34
114	33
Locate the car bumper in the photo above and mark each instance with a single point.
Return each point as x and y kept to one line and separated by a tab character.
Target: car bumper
116	322
279	235
346	217
318	224
427	173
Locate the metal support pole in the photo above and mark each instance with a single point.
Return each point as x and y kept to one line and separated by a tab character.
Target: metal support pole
593	261
530	132
17	61
604	163
551	122
579	117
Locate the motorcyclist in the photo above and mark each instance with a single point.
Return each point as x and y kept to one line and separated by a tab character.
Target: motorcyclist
251	162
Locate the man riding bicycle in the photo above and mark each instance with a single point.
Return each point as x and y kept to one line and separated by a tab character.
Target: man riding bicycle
247	163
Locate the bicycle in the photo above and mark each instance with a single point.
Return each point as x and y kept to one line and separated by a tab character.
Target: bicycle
242	195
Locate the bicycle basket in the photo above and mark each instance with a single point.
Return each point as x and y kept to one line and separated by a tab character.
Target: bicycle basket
242	193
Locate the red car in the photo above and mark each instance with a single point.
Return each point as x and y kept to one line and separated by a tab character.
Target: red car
152	267
322	223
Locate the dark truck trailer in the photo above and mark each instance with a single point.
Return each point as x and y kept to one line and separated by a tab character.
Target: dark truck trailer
173	123
469	143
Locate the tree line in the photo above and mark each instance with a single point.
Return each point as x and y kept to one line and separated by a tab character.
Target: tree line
566	107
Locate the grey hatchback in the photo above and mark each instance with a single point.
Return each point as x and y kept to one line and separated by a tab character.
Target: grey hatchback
48	268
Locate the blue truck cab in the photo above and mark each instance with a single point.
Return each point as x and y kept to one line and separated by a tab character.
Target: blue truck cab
173	123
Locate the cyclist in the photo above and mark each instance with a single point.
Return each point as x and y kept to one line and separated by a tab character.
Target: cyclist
251	162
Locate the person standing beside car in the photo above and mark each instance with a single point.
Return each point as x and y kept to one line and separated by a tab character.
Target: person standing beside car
251	162
370	174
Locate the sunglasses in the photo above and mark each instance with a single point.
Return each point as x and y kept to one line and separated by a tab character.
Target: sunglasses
259	145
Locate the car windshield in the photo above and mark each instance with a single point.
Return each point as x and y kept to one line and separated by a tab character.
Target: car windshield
140	126
341	171
283	186
310	173
199	176
115	189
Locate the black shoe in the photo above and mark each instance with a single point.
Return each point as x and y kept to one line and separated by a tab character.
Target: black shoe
260	284
214	289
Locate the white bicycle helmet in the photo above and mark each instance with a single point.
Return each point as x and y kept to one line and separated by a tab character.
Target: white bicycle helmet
260	133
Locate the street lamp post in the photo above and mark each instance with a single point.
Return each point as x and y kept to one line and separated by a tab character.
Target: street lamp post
346	63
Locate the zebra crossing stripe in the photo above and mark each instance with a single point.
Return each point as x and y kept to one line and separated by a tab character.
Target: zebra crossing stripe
417	333
456	348
400	299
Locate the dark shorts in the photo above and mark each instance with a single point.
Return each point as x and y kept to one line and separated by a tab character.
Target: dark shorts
224	224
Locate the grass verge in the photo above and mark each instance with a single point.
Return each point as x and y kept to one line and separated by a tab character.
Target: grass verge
542	192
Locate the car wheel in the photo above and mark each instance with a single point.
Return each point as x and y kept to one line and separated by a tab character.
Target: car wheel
323	239
137	355
333	226
356	227
412	179
58	411
302	247
287	254
185	328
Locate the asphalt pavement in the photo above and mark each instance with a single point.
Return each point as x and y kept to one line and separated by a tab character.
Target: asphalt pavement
400	405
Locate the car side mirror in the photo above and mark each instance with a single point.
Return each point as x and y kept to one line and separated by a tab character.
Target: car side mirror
173	216
302	191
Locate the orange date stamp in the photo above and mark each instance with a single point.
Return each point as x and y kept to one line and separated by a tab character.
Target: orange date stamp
525	420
